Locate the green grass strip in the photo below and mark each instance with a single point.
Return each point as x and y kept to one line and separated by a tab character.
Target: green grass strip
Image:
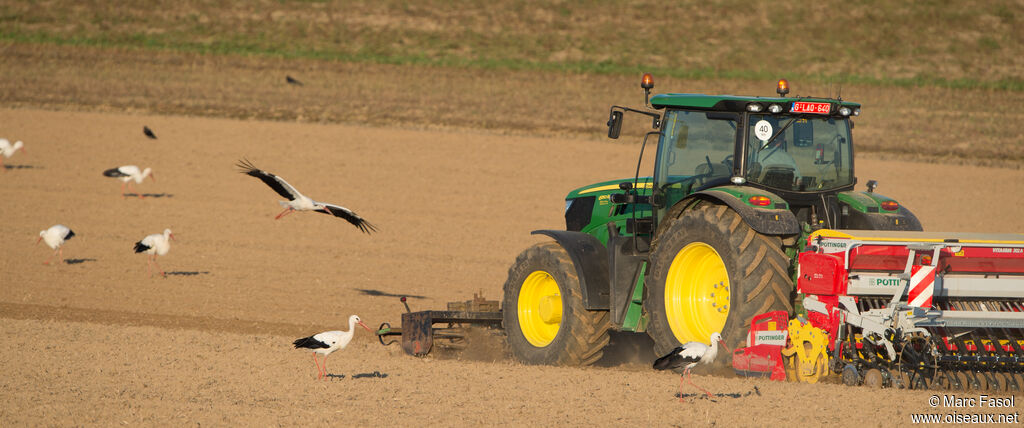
241	47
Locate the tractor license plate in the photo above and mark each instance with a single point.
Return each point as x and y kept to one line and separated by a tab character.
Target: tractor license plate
815	108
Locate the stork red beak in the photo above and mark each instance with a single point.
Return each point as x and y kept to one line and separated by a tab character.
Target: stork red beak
152	175
722	342
40	239
364	326
171	236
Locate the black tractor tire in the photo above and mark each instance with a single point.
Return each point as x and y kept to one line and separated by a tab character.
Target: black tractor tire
581	334
757	271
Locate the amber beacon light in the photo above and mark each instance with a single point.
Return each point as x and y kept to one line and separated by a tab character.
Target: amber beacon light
647	82
783	87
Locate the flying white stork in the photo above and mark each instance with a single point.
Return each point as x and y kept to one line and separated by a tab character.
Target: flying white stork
299	202
129	173
54	238
157	244
329	341
7	149
688	356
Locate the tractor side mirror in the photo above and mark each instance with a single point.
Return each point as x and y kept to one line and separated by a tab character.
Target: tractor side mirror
614	124
872	184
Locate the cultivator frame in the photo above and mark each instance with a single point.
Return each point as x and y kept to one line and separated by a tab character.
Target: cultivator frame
918	310
419	330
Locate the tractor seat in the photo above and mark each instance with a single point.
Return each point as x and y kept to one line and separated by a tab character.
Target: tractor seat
779	177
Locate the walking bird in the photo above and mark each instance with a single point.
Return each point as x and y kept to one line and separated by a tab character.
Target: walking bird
157	244
54	238
299	202
7	149
329	341
292	80
129	173
149	132
688	356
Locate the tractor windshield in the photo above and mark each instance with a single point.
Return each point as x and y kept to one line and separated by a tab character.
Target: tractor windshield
696	149
799	153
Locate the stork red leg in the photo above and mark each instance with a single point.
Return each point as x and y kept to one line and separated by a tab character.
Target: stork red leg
54	255
160	269
317	365
695	385
284	213
681	387
132	188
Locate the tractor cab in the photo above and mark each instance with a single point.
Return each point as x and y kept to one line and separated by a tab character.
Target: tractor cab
789	153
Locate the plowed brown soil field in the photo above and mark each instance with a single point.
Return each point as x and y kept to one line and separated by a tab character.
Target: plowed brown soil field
97	341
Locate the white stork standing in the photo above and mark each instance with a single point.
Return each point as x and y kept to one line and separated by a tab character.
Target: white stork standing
688	356
129	173
54	238
157	244
7	149
329	341
299	202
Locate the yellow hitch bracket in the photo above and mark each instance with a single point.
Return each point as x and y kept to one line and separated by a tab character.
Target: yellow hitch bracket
807	356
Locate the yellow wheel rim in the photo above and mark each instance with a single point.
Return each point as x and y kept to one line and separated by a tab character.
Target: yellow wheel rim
696	293
539	308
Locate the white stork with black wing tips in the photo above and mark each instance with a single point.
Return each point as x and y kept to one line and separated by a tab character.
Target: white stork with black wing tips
54	238
329	341
157	244
299	202
129	173
688	356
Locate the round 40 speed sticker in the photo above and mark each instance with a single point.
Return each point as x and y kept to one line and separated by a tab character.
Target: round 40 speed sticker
763	130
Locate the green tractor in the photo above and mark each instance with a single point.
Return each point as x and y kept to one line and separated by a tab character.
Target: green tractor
705	243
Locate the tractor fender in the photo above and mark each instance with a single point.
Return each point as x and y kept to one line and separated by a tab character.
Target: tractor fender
863	211
590	258
766	221
900	220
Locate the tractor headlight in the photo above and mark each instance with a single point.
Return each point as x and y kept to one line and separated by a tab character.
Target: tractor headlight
754	107
856	111
845	111
775	108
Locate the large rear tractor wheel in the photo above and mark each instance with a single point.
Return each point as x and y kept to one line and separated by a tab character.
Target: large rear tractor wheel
710	272
545	320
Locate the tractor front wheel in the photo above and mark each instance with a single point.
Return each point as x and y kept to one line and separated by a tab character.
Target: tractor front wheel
545	320
711	272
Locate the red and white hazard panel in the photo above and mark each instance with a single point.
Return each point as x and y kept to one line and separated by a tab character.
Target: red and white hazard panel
922	286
